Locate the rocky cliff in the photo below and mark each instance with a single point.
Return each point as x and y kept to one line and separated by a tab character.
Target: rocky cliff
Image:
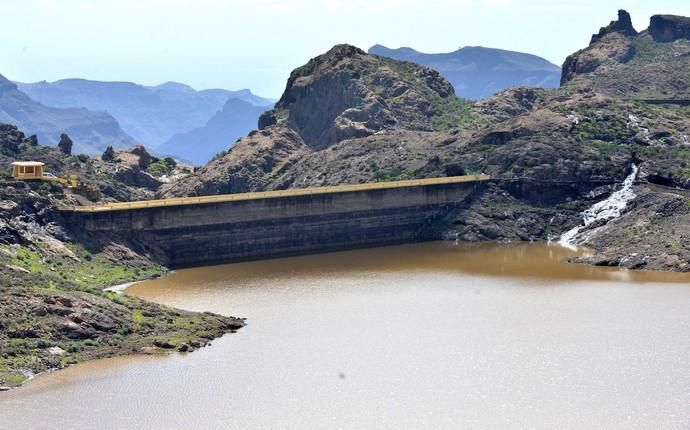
623	25
669	28
626	64
346	93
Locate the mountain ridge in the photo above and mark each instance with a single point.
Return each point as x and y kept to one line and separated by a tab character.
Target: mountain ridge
92	131
152	115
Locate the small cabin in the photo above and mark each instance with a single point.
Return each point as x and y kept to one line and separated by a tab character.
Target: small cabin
27	170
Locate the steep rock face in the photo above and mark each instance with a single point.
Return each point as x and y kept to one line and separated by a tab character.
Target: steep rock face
611	48
250	165
477	72
623	25
610	45
635	66
346	93
669	28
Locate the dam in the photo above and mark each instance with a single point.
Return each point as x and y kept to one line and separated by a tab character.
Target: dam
194	231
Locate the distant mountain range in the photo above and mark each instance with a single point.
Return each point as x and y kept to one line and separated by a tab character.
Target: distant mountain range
477	72
175	119
234	120
151	115
91	131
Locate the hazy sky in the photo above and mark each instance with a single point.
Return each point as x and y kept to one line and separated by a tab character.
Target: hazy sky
255	44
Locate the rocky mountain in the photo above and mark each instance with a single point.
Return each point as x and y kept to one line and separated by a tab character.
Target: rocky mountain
152	115
340	95
199	145
622	63
477	72
92	131
349	117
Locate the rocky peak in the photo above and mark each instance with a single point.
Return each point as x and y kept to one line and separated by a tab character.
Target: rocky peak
669	28
347	93
622	25
612	45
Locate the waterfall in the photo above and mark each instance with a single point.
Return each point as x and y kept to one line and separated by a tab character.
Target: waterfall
605	209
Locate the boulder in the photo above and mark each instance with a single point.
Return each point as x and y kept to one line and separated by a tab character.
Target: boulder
108	154
65	144
144	157
669	28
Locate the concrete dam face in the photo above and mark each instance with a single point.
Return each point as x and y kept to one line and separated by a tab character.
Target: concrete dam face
217	229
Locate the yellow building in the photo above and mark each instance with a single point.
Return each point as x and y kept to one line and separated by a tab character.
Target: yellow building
33	170
27	170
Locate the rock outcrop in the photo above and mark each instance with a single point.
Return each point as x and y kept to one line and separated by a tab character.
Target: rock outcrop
108	154
669	28
346	93
622	25
65	144
610	45
612	48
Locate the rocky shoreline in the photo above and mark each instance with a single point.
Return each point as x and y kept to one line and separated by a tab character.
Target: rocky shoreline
47	328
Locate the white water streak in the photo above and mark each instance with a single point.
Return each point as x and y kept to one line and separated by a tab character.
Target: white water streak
605	210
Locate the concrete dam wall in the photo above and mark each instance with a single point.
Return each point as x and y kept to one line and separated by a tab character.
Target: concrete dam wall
270	225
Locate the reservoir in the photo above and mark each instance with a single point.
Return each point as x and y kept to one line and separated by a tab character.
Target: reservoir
435	335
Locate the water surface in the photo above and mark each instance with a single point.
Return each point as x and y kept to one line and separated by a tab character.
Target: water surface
432	335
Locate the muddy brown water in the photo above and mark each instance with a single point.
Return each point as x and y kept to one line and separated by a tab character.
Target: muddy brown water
432	335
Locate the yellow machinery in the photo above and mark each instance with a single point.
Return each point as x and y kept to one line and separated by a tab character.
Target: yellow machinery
33	171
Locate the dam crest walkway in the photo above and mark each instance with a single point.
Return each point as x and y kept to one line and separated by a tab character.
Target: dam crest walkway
293	192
